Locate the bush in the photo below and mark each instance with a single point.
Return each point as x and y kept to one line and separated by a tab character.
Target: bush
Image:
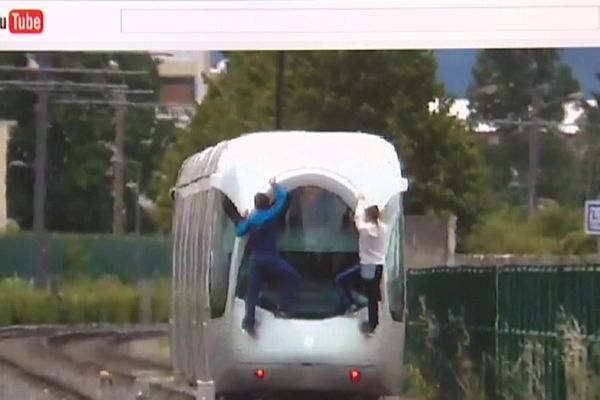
578	243
80	300
556	222
104	300
161	302
12	229
507	232
553	230
23	304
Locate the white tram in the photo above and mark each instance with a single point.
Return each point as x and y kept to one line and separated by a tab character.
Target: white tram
315	350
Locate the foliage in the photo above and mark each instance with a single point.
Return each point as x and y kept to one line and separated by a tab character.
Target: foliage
416	384
161	302
75	259
589	146
526	377
12	229
80	300
523	78
239	102
102	300
517	73
553	230
22	304
382	92
578	242
581	360
79	144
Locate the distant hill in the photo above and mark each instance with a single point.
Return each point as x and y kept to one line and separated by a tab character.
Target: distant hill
455	68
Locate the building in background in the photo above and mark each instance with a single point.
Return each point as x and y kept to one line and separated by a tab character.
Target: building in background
184	76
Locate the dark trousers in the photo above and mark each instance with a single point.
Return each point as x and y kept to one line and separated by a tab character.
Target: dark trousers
346	279
263	265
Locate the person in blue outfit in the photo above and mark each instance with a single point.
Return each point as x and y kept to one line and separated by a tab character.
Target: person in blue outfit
265	260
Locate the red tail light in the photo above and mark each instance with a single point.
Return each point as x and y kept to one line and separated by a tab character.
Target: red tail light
355	375
260	373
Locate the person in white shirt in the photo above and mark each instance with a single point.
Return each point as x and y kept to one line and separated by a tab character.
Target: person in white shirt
372	248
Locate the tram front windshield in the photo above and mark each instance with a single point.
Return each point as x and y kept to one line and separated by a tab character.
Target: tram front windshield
318	238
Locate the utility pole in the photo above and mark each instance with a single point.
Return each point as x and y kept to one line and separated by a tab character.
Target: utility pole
119	164
138	251
279	89
39	201
136	188
138	214
534	151
43	87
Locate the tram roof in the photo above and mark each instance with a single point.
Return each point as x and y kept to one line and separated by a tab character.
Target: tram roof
366	160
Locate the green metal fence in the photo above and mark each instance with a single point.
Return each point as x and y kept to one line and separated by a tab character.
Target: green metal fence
534	326
94	255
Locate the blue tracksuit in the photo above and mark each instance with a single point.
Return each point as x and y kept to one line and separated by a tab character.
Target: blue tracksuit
265	260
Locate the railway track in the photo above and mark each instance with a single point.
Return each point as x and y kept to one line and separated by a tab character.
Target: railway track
45	385
86	363
65	363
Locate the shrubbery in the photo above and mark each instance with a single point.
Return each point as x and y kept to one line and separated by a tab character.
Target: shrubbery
553	230
161	302
80	300
441	365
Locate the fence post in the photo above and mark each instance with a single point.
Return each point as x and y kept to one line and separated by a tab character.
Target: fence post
496	330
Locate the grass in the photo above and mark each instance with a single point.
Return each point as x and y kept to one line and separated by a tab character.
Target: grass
433	373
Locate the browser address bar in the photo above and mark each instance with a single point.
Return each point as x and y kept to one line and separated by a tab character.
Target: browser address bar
327	19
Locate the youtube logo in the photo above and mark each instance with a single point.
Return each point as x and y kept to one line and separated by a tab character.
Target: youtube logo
23	22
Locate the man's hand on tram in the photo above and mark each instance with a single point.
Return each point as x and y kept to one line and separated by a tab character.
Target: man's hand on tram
246	214
272	182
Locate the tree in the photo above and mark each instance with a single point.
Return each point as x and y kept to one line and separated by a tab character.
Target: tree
79	175
388	93
240	101
589	145
381	92
519	76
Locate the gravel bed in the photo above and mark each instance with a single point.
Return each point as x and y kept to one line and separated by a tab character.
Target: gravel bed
16	385
32	354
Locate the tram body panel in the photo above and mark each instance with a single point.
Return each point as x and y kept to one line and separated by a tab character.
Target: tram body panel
297	353
283	347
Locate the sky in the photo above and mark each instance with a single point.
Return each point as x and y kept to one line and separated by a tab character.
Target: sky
454	67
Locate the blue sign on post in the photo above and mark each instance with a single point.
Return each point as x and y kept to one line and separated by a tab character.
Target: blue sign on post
592	217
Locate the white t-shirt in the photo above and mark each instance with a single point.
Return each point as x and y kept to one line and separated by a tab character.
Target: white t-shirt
372	241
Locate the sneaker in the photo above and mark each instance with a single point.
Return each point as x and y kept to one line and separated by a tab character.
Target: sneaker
367	328
346	310
352	309
248	326
280	313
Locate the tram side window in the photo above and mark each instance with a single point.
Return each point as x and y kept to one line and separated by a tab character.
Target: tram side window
222	241
396	271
